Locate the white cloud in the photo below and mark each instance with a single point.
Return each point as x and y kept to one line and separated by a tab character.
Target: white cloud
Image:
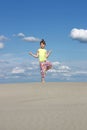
79	34
56	63
30	68
2	76
18	70
20	35
3	38
31	39
1	45
80	72
64	67
14	68
27	38
59	68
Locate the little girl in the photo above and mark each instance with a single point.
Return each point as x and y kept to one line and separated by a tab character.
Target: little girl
42	54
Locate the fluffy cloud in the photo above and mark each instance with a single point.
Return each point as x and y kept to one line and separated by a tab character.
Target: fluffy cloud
12	70
18	70
79	34
58	68
27	38
1	45
56	63
3	38
20	35
31	39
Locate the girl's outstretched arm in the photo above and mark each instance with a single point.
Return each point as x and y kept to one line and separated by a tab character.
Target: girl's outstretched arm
34	55
48	53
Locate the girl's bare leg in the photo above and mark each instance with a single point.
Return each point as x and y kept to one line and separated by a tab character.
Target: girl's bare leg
43	80
43	72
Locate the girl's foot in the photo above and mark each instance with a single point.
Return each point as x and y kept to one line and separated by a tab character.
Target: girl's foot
43	81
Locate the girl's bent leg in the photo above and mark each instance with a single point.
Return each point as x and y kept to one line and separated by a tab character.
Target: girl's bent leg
48	65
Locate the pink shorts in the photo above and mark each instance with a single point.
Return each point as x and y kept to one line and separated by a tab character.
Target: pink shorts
44	66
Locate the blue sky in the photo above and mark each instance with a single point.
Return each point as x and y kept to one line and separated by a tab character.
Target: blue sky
62	24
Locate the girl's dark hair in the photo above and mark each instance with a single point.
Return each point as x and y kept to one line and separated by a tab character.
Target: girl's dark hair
42	41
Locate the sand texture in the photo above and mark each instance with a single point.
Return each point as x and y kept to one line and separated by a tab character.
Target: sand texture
49	106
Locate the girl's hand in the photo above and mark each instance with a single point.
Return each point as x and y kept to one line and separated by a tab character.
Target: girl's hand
50	51
34	55
30	53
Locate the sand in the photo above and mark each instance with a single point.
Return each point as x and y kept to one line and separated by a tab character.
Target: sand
49	106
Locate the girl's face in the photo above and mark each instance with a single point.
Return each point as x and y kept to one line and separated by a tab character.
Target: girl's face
42	45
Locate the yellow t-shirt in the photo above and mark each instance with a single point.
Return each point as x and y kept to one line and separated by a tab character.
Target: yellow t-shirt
42	54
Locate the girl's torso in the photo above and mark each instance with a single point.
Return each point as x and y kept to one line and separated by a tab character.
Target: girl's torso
42	54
